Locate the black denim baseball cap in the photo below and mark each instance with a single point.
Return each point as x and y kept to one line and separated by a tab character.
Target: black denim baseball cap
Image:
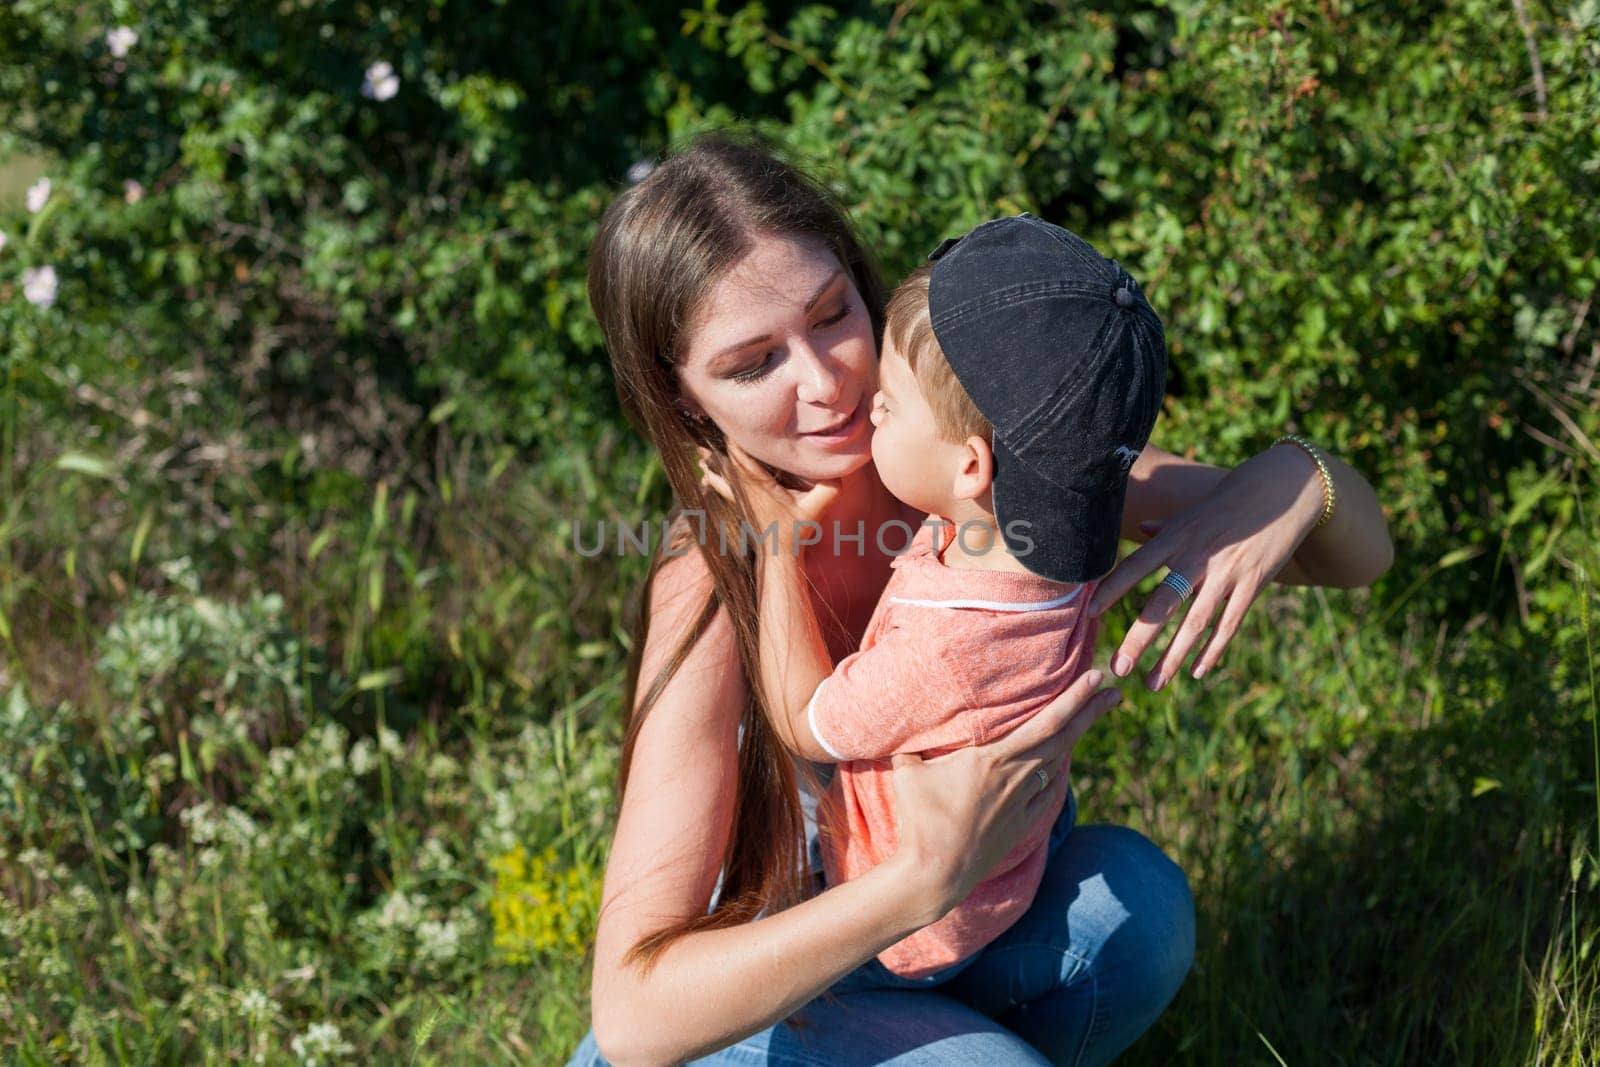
1061	352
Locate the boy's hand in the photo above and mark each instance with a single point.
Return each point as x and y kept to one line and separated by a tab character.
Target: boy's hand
766	501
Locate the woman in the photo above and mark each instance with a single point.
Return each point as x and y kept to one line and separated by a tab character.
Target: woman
738	306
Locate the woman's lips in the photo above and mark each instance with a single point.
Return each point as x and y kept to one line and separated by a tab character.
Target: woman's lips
844	430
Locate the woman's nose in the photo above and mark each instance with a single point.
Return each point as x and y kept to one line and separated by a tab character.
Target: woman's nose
820	376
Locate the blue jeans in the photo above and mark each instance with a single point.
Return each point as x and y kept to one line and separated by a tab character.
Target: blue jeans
1076	980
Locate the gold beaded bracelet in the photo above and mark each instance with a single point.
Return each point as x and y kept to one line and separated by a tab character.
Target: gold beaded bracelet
1311	450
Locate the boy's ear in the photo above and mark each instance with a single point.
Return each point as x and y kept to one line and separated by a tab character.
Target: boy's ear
976	472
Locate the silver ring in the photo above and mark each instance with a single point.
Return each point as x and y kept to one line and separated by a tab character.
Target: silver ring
1044	779
1178	584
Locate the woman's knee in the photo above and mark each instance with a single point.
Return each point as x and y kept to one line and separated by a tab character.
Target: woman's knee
1156	938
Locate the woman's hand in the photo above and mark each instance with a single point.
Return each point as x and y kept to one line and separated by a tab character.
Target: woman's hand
1229	545
962	812
765	499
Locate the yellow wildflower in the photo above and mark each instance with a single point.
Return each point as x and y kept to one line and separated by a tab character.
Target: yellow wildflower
541	907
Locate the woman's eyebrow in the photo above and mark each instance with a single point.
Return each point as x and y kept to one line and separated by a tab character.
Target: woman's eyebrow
815	297
823	288
739	347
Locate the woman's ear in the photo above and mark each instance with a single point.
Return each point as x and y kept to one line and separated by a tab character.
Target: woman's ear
689	409
976	473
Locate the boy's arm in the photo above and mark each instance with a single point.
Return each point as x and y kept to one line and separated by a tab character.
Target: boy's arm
900	695
794	657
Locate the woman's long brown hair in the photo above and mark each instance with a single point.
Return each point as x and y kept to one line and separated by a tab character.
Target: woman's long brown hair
660	248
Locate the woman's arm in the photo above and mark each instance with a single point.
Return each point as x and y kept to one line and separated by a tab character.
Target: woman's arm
1230	533
1352	550
710	989
794	655
960	814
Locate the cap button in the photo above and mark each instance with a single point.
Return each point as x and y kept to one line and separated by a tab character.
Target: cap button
1123	297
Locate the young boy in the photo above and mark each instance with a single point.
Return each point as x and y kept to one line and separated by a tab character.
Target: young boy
1021	375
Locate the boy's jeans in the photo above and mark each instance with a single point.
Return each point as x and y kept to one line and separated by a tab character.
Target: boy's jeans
1083	973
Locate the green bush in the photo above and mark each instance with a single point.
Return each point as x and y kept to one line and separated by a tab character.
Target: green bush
1368	224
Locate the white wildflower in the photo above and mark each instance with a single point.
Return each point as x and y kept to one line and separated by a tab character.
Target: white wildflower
330	739
381	82
183	573
81	900
201	822
399	912
505	811
363	756
389	742
241	829
257	1006
132	191
39	286
39	195
438	941
280	762
3	240
121	39
433	856
640	171
320	1039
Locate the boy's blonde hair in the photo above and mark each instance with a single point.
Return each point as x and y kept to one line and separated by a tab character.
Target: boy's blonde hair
911	330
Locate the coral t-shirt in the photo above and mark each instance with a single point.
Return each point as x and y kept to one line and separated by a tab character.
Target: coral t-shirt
951	658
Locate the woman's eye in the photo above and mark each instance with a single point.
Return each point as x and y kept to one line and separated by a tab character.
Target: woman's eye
756	373
837	317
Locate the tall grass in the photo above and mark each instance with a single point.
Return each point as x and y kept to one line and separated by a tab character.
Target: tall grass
339	784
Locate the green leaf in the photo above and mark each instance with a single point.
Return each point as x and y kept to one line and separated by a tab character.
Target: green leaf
82	463
379	679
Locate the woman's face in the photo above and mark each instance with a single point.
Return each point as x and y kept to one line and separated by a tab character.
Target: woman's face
781	357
